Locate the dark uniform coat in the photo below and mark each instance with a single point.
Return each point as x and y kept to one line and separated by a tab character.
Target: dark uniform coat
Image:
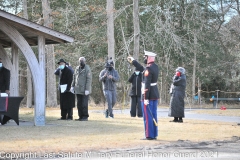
177	98
136	81
150	77
67	99
4	79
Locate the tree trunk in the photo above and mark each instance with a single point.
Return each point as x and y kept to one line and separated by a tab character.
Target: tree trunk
50	59
199	92
136	28
194	67
110	29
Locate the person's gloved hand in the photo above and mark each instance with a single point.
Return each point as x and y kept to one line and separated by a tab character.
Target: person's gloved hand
86	92
72	89
146	101
8	92
130	59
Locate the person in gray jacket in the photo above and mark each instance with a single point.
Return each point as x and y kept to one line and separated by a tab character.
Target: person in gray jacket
82	87
109	76
176	109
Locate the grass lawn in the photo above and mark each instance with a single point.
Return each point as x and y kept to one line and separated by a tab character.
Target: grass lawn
100	133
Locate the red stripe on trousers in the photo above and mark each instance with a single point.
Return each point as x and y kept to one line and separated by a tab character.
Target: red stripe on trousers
146	117
6	103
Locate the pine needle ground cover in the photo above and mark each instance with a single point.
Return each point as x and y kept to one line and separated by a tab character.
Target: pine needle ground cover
100	133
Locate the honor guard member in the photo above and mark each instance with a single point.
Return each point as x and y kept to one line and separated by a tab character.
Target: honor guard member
150	94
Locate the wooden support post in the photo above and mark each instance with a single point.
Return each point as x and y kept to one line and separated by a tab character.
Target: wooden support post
14	89
39	117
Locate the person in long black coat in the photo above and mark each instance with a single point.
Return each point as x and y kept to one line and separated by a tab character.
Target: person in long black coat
4	79
135	93
176	109
67	98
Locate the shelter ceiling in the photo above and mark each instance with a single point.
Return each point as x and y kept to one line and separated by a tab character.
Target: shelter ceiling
30	31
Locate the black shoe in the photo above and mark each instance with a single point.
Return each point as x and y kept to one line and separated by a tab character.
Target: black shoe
70	119
111	116
140	116
133	116
149	138
62	118
180	121
106	113
84	119
78	119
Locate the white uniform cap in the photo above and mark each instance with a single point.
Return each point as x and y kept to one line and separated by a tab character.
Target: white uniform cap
147	53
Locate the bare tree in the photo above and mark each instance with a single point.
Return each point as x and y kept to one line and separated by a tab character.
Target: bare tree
194	66
110	29
136	28
50	59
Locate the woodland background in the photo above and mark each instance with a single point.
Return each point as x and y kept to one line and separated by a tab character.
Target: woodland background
200	35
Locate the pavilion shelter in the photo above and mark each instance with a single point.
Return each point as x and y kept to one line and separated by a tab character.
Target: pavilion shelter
19	33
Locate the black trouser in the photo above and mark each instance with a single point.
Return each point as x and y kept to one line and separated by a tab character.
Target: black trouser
136	105
67	113
82	105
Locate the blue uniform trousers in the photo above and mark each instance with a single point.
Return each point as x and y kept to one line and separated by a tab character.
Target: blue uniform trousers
151	131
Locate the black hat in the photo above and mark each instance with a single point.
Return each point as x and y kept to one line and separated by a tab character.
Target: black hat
109	63
61	60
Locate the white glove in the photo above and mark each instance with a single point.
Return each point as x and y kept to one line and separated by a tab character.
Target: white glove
72	89
130	59
86	92
146	101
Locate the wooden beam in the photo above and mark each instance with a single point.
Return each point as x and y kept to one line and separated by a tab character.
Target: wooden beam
31	41
34	32
35	26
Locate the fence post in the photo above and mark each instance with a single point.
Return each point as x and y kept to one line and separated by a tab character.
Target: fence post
217	99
